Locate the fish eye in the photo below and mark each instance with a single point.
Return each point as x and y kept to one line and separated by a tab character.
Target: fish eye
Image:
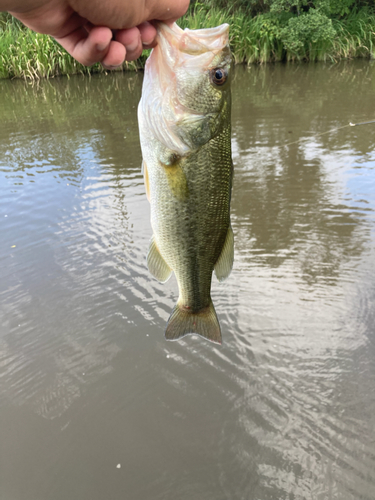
219	76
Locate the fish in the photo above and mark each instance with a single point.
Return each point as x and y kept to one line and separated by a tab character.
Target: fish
184	118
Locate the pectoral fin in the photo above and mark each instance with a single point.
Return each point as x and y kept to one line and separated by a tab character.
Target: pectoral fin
156	264
224	264
146	180
177	182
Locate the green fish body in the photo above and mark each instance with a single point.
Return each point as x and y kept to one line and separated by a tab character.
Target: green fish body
185	132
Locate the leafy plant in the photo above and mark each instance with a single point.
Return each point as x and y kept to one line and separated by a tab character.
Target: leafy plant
306	32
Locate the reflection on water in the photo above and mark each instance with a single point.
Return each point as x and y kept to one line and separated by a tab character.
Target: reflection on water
285	409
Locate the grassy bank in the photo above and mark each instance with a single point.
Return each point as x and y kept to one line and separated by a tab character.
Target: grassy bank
29	55
261	31
286	36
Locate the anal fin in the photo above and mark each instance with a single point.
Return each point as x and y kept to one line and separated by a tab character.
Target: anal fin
224	264
156	264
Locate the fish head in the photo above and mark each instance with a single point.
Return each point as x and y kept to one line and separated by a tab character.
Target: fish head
186	90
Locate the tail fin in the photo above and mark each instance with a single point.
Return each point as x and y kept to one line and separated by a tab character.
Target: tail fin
182	322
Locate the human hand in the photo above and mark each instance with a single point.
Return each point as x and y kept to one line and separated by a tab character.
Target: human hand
109	32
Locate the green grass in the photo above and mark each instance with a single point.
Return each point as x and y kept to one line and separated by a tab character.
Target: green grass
261	38
264	38
29	55
355	37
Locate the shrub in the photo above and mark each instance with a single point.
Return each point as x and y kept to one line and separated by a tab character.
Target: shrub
311	31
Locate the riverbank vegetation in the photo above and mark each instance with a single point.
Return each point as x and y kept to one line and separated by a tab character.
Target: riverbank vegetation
261	31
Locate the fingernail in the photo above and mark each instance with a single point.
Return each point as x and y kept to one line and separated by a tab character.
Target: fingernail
132	46
101	46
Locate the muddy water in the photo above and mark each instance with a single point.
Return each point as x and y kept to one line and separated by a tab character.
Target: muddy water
94	403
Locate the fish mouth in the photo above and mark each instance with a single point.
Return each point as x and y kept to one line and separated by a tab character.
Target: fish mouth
186	49
194	42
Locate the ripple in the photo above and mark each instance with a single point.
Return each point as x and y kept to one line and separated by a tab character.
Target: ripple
284	409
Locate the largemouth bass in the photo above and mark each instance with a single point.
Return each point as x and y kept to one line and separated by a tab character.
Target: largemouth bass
185	133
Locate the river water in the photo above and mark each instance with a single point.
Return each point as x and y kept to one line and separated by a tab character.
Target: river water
94	403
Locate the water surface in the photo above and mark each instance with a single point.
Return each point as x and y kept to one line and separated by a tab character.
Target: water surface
94	403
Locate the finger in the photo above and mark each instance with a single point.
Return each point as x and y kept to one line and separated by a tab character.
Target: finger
148	35
116	52
131	40
88	48
115	56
